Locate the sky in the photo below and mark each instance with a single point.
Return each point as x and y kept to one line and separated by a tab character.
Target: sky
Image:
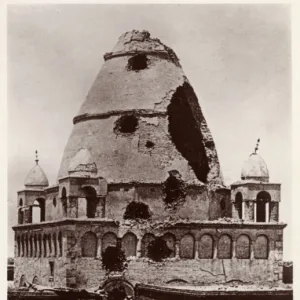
237	57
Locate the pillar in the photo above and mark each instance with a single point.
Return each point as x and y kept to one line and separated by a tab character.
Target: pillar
99	247
233	248
56	252
37	247
267	211
177	248
243	210
139	248
252	243
196	254
215	253
48	245
255	211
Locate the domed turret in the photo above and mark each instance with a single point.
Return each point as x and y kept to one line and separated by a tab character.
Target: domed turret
36	178
255	168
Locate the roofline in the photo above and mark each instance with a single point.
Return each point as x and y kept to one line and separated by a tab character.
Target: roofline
256	183
190	224
255	291
66	221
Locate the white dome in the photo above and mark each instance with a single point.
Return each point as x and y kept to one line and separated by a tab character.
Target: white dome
36	178
255	168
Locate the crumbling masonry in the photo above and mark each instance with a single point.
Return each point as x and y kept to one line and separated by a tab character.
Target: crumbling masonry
139	194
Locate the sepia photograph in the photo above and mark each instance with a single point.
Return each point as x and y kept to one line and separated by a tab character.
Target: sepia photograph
149	151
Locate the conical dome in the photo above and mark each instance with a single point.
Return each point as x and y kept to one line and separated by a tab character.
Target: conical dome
36	178
255	168
141	118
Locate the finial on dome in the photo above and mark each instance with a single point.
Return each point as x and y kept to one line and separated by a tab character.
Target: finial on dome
36	157
257	144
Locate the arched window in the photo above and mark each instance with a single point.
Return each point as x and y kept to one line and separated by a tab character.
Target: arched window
50	243
38	211
54	202
147	239
54	244
239	204
31	246
224	247
45	245
20	216
109	239
64	201
60	244
89	244
187	246
19	245
23	245
206	246
22	281
26	246
129	243
21	202
261	247
242	249
40	245
262	206
35	280
35	246
91	201
171	243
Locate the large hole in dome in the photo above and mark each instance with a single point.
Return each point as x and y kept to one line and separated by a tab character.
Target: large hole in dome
183	112
126	124
137	62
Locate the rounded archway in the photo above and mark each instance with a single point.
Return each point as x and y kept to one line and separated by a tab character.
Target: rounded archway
38	210
239	204
118	289
263	200
91	201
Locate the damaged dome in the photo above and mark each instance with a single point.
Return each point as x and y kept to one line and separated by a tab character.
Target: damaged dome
141	119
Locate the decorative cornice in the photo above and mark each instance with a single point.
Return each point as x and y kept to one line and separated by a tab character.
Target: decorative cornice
150	113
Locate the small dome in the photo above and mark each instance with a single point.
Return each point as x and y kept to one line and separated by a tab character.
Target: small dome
82	163
36	177
255	168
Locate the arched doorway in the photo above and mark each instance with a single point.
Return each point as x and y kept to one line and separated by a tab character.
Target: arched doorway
239	204
38	210
91	201
262	206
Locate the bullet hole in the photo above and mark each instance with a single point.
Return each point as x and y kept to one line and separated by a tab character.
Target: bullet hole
149	144
126	124
184	127
137	210
158	249
113	259
117	293
137	62
174	188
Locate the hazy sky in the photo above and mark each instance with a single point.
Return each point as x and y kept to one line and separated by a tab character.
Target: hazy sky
237	58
